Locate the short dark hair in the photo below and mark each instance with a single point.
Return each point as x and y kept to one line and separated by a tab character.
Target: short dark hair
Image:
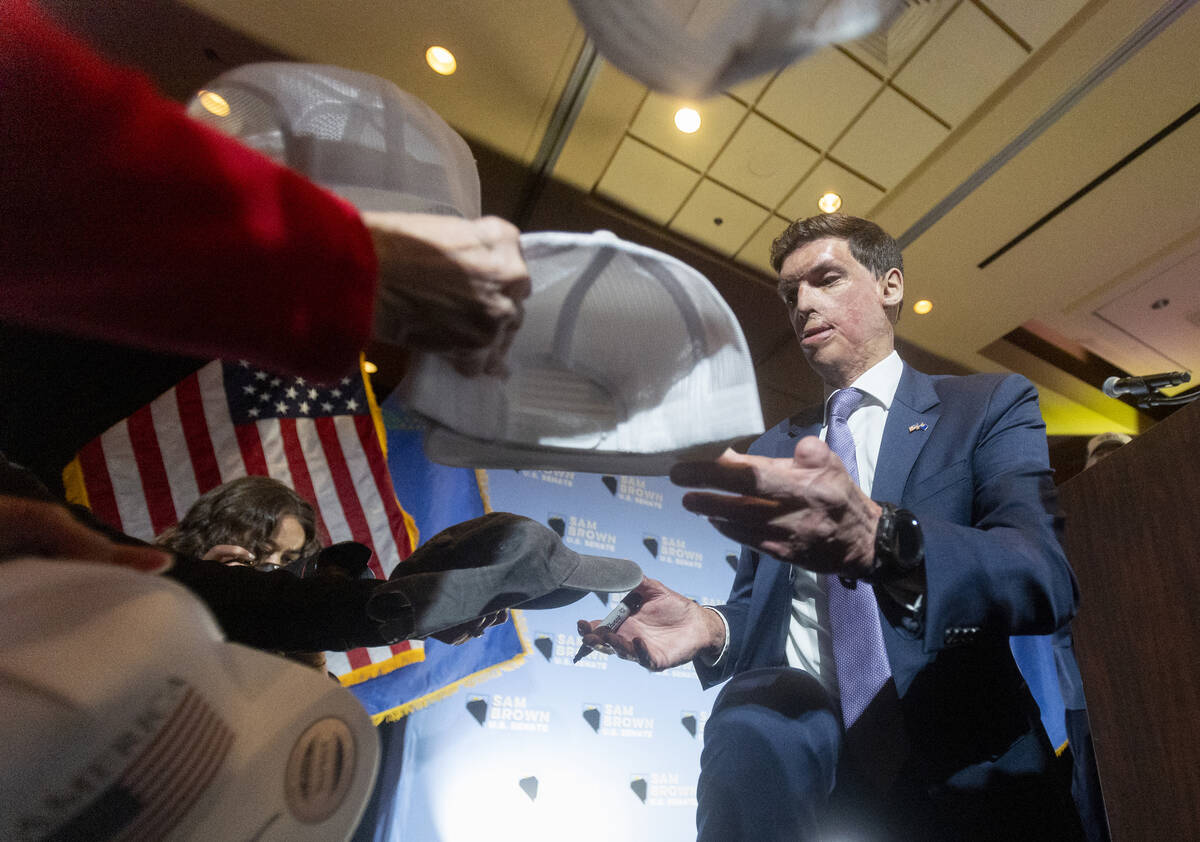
869	244
243	512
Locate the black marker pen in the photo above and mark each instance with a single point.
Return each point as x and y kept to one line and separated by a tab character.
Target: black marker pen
629	605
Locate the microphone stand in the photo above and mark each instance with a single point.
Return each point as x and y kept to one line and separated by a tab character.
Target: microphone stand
1157	398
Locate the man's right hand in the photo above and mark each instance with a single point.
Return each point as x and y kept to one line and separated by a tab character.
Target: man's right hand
668	630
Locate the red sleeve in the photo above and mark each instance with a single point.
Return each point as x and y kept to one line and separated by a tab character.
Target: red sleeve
122	219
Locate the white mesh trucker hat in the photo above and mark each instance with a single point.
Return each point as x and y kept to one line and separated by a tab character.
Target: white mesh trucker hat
628	361
353	133
128	717
699	47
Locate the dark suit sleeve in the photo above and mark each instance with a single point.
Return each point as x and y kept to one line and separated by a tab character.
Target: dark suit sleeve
1005	574
735	611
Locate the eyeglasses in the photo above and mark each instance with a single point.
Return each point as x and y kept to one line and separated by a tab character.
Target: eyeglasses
260	566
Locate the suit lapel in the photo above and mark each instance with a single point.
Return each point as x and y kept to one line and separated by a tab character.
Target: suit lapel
807	422
914	413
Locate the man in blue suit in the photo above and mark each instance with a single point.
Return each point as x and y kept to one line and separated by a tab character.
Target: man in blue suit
894	538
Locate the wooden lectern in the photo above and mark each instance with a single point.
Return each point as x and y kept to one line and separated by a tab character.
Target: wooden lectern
1133	537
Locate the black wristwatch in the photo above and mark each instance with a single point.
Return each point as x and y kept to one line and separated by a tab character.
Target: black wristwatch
899	545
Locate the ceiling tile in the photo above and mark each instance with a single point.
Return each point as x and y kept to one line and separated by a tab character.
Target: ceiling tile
751	89
762	161
757	251
858	196
698	217
1035	22
607	111
884	51
890	138
655	124
1164	315
965	60
818	97
646	181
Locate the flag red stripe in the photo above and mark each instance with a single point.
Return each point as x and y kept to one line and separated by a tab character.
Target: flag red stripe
101	496
153	473
358	658
298	467
356	519
343	483
252	450
383	483
195	434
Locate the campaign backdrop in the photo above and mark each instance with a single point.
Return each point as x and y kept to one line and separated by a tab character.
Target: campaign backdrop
598	750
602	749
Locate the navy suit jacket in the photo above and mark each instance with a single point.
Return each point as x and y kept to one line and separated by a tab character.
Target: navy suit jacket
968	456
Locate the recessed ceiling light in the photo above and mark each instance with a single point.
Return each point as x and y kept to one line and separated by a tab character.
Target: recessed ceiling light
922	307
687	120
441	60
370	367
214	103
829	203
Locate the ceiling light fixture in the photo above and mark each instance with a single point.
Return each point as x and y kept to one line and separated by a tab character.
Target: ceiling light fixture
922	307
441	60
687	120
829	203
214	103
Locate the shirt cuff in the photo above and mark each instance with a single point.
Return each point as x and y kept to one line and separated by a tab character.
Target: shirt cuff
704	659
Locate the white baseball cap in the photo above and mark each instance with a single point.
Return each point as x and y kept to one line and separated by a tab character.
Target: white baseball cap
700	47
127	716
358	135
627	361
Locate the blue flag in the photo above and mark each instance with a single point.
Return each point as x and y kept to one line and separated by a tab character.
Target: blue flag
436	497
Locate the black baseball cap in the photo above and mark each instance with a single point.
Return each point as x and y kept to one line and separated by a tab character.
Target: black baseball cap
497	561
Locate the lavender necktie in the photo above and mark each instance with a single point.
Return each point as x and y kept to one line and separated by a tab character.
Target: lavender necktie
859	656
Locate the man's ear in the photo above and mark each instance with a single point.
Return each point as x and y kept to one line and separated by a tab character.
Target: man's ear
891	287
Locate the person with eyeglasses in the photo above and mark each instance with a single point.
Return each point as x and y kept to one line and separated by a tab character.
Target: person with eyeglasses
255	522
250	522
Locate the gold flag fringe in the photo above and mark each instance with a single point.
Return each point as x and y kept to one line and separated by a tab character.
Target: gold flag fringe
512	663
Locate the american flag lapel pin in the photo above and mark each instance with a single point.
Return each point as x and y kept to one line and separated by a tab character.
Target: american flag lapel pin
912	428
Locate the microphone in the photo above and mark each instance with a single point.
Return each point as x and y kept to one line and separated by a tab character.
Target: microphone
1142	386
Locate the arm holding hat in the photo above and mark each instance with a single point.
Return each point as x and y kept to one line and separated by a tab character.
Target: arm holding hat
449	285
127	221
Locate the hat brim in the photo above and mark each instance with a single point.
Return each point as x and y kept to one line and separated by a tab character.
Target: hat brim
450	447
595	574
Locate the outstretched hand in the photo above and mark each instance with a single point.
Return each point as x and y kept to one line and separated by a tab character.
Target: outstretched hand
667	630
805	510
47	530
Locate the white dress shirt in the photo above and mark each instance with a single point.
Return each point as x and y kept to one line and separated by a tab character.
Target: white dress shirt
809	646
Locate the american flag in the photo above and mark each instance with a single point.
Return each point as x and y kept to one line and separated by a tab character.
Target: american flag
231	419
